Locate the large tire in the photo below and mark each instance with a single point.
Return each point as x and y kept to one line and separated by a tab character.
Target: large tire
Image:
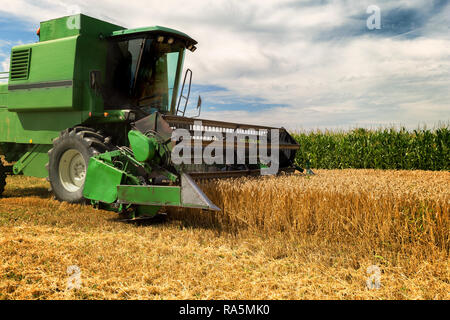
69	159
2	178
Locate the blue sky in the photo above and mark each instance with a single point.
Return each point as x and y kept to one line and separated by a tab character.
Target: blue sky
13	31
302	64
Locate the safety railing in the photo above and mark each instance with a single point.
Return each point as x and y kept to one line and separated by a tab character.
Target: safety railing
182	96
2	77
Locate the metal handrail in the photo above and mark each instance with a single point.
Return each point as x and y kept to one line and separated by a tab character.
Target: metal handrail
186	98
4	78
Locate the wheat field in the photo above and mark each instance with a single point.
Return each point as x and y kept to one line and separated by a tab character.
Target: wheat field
287	237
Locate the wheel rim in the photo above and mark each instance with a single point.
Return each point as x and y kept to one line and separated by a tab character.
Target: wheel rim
72	170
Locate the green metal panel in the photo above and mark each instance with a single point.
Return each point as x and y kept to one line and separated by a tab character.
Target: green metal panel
101	182
91	56
49	85
59	99
3	95
150	195
36	127
75	25
37	168
33	163
58	28
57	89
50	61
59	76
143	147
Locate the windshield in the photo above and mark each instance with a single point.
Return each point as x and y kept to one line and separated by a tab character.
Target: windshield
144	73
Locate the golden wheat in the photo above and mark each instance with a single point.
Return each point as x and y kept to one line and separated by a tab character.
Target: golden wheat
291	237
364	205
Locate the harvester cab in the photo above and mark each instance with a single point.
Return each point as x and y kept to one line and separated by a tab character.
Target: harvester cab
144	68
97	110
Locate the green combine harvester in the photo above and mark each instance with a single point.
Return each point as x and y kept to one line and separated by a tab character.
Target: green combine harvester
93	108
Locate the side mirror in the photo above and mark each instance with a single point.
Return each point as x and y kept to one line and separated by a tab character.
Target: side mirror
199	107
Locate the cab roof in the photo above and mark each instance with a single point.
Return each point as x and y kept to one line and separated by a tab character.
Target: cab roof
81	24
156	30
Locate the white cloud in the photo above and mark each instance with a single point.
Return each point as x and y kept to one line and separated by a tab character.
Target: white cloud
5	65
272	50
4	60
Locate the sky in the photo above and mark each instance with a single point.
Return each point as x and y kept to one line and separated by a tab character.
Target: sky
302	65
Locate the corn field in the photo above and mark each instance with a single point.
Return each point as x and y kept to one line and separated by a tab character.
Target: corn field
421	149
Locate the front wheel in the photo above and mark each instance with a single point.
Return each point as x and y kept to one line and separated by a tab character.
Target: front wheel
69	160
